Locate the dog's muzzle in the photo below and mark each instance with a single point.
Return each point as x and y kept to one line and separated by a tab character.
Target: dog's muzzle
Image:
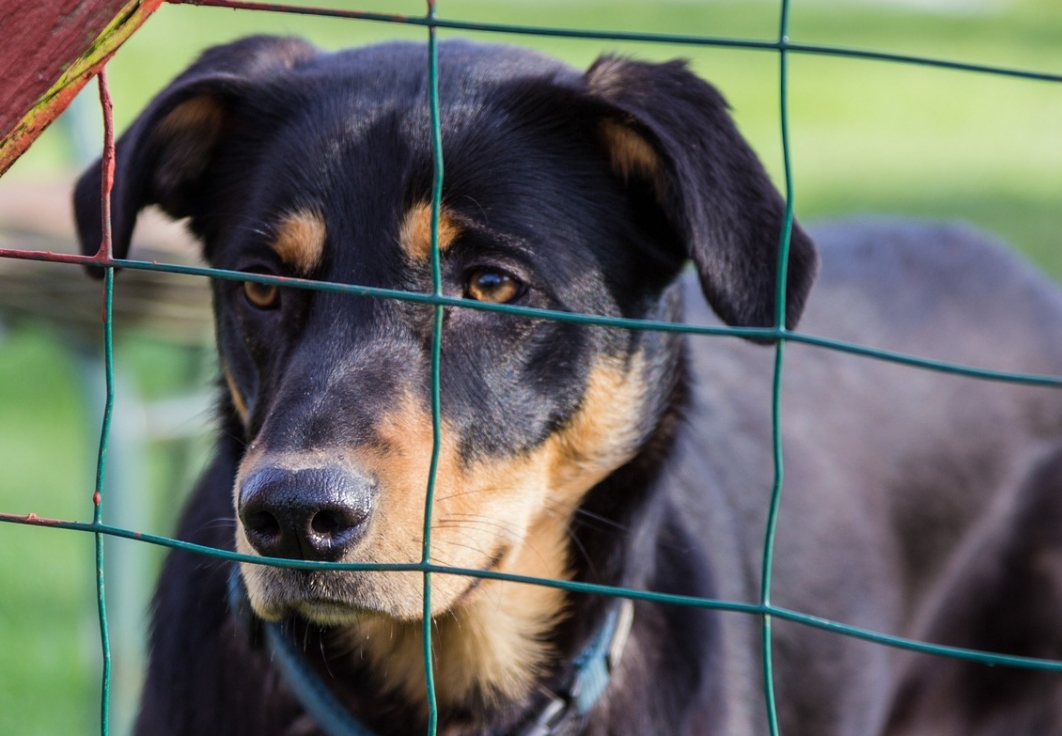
308	513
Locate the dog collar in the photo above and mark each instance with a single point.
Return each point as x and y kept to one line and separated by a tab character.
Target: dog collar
592	669
561	715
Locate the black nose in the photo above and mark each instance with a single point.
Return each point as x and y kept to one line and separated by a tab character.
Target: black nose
308	514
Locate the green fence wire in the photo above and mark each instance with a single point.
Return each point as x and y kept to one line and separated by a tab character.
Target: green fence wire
108	409
778	334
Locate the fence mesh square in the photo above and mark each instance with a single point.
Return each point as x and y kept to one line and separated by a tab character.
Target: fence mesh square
767	612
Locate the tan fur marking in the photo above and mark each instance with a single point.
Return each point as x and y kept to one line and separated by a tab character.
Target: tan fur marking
603	433
300	241
630	154
492	648
489	638
187	136
415	233
492	642
238	401
199	116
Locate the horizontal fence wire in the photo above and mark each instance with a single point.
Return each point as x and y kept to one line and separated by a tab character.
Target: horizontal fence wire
678	39
783	46
756	333
571	586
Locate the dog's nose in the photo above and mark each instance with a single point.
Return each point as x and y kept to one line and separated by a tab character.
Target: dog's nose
308	514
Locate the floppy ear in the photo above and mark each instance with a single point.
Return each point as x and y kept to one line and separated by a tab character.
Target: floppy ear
671	129
164	157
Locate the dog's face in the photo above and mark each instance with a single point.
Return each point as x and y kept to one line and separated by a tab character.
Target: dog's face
335	390
564	191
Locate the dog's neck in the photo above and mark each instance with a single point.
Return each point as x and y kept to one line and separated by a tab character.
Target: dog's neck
495	649
492	648
496	646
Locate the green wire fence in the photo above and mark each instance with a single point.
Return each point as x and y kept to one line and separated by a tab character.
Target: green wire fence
778	334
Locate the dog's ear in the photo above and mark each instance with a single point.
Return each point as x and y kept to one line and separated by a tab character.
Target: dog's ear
164	157
671	130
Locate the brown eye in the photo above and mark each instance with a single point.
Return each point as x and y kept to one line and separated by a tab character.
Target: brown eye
488	285
262	296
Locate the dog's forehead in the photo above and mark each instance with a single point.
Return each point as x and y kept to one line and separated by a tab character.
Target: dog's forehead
350	92
358	155
393	70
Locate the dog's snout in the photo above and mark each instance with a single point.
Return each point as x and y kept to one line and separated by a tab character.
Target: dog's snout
309	514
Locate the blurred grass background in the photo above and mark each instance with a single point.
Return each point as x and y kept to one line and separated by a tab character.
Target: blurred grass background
867	137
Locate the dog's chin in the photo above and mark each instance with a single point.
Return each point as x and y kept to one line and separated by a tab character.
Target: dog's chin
329	614
342	598
322	612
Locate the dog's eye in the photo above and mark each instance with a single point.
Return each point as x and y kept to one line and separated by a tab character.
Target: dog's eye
490	285
262	296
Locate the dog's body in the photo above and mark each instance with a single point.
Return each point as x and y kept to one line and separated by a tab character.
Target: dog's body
915	503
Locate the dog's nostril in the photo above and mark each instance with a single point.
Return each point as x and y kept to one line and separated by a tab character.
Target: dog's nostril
266	533
262	523
332	529
330	521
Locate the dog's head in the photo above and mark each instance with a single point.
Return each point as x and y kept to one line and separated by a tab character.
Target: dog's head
579	192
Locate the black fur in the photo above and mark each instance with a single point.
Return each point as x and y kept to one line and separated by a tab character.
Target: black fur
271	126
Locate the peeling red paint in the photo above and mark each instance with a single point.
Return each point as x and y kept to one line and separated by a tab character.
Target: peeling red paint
47	36
51	49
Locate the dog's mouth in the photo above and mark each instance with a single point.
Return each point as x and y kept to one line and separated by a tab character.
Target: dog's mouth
333	598
328	613
323	597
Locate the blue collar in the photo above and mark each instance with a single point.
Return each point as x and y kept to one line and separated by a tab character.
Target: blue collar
562	713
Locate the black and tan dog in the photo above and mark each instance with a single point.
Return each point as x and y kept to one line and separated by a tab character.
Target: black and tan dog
915	503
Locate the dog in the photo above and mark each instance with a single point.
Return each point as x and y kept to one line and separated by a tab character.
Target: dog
915	503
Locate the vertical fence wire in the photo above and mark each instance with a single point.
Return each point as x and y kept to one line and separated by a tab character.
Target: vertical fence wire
436	356
765	609
105	251
780	322
771	531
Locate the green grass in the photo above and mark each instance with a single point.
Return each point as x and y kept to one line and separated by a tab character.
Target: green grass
46	578
867	137
49	425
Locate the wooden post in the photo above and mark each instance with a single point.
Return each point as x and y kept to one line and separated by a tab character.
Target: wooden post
50	49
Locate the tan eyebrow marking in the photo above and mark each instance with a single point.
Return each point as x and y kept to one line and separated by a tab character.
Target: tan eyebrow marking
300	240
415	233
